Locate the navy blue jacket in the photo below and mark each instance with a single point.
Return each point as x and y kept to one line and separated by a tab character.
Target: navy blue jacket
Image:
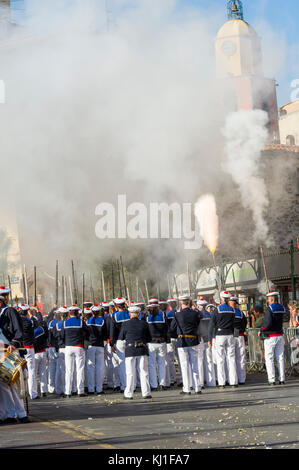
117	320
73	332
53	341
11	325
158	327
240	321
185	322
59	334
222	321
273	320
97	331
41	337
204	325
135	331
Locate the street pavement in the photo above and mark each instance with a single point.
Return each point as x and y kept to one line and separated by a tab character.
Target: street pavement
251	416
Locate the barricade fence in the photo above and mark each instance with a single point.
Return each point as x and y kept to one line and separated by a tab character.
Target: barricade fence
256	354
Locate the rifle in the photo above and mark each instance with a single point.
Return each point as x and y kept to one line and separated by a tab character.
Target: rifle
35	287
83	292
146	291
103	287
118	269
123	274
9	285
74	284
189	280
176	287
71	292
112	278
234	281
91	289
56	284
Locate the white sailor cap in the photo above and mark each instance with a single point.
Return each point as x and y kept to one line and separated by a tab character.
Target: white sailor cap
210	305
184	297
4	290
273	294
88	303
225	294
120	300
111	304
139	304
234	298
63	309
24	307
201	301
153	300
86	310
171	299
96	308
134	309
163	302
74	307
105	304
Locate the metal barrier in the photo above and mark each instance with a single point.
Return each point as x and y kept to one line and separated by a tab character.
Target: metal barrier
256	355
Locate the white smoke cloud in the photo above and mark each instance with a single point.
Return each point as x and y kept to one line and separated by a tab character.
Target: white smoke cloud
246	135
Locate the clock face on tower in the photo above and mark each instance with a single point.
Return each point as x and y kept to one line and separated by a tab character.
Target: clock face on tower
229	48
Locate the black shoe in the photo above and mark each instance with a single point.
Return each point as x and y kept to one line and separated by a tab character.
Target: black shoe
116	389
162	388
68	396
74	393
198	393
241	383
221	387
91	393
281	383
272	383
154	389
25	420
180	384
127	398
147	397
85	389
36	398
62	395
44	395
10	421
82	395
101	393
185	393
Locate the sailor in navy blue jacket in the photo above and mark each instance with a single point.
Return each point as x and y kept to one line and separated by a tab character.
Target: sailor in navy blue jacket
136	335
184	327
11	327
222	321
158	328
272	330
60	365
205	364
239	329
41	364
118	346
73	332
171	378
97	335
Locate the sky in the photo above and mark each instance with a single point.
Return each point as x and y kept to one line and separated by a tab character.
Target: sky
274	20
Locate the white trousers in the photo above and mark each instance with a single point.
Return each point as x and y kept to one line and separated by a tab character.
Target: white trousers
157	364
225	347
274	348
41	369
95	368
11	405
189	358
52	362
209	370
201	374
74	357
170	366
60	372
120	353
32	385
133	364
240	352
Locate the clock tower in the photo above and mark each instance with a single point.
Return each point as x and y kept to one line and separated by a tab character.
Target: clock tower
239	62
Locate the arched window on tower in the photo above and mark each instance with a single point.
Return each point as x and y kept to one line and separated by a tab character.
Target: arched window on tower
290	140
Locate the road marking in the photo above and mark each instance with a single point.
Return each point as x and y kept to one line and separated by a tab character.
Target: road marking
78	432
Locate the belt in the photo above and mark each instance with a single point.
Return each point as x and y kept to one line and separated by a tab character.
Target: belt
187	336
29	347
160	340
136	345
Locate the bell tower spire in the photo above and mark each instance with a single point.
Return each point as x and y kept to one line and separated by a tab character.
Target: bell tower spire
235	10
